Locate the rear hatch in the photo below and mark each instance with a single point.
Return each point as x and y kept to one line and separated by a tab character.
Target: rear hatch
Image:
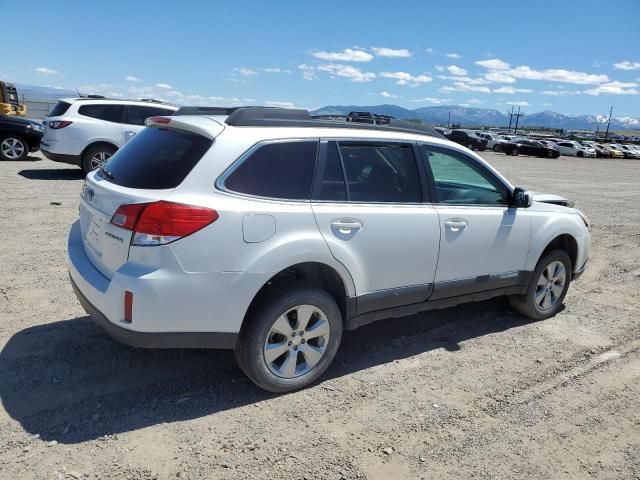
55	122
147	169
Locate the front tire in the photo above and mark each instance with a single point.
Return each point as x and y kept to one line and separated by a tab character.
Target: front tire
547	288
496	148
515	152
13	147
470	146
290	339
96	156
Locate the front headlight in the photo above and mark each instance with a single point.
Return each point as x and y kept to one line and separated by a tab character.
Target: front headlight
585	219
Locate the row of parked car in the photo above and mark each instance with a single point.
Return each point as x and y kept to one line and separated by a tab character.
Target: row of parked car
548	147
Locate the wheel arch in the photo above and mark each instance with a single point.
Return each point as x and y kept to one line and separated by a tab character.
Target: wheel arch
309	274
96	143
565	242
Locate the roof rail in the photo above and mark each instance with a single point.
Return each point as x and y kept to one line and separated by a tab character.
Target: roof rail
205	111
293	117
150	100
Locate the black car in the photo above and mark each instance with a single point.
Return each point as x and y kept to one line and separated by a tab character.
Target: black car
529	147
18	137
470	140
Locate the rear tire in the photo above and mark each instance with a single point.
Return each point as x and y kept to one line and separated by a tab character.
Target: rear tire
13	147
515	152
282	361
94	157
547	288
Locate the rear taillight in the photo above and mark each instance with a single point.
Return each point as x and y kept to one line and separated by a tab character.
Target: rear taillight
58	124
159	223
161	120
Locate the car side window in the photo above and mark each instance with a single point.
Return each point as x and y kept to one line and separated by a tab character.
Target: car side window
332	185
282	170
106	112
137	114
380	173
460	180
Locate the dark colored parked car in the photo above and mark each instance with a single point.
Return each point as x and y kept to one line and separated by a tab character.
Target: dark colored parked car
18	137
529	147
470	140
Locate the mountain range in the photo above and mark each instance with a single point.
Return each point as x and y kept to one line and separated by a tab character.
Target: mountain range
486	117
431	115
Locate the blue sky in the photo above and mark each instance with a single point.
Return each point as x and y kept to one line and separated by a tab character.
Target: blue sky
574	57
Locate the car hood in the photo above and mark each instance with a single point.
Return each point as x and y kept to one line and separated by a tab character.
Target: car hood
17	120
552	199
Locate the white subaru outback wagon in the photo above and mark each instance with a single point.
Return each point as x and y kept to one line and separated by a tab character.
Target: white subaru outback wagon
270	232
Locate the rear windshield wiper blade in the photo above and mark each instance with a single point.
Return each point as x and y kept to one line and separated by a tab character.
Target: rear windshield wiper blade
106	173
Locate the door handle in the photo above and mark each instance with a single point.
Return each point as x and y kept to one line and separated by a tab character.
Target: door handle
346	227
455	224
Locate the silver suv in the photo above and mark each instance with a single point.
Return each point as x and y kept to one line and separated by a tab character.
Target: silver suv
269	231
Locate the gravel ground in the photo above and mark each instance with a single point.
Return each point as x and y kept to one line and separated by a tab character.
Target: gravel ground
475	391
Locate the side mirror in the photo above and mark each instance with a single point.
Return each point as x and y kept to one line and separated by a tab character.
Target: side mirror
521	198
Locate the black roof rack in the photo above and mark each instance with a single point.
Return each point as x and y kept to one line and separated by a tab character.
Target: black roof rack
291	117
205	111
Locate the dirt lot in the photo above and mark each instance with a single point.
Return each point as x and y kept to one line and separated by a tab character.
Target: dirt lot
471	392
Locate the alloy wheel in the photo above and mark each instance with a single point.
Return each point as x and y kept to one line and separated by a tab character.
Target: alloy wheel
12	148
550	286
297	341
99	159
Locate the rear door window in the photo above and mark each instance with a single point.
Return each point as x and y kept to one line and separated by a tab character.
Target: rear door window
137	114
106	112
156	158
380	173
282	170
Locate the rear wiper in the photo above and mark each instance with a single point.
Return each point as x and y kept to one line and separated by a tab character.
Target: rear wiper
106	173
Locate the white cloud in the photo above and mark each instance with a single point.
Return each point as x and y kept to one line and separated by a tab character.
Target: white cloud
465	87
559	93
439	68
520	103
511	90
547	104
347	71
475	101
246	72
404	78
493	64
347	55
614	88
47	71
499	76
452	55
391	53
557	75
435	101
164	85
271	70
502	72
131	78
455	70
429	50
308	71
386	94
276	103
627	65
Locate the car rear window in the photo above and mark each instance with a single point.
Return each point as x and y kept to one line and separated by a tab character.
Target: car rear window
60	109
155	159
281	170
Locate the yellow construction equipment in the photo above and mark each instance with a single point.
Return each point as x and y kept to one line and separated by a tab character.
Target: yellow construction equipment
9	101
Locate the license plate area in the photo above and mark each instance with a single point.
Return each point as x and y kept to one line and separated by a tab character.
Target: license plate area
95	234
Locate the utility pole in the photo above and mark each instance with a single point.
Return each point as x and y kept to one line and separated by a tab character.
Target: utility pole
606	134
510	118
518	115
449	120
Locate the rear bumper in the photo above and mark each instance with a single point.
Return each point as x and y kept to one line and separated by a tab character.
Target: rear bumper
157	322
60	157
155	339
